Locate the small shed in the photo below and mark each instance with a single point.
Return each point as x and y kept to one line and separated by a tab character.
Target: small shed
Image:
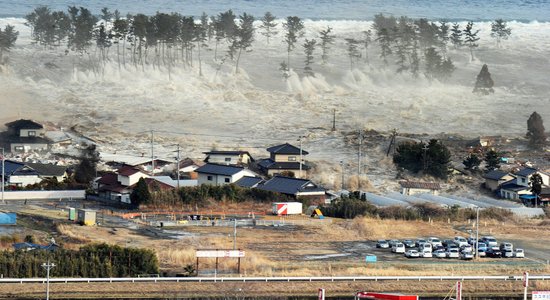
87	217
72	214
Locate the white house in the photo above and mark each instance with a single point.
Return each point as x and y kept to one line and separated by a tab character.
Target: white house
239	158
215	174
129	176
524	175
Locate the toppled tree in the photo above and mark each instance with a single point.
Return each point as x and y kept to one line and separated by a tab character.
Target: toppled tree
484	82
535	130
500	31
492	160
268	26
85	171
327	39
309	47
432	158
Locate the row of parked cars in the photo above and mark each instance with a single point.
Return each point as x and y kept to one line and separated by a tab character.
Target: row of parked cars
459	247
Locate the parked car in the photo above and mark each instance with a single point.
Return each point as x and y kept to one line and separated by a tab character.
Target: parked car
382	244
453	247
425	246
466	255
519	253
490	241
481	252
446	243
426	253
460	241
492	252
440	247
506	247
412	254
409	243
507	254
472	240
466	248
393	242
452	253
398	248
420	242
434	241
482	246
440	254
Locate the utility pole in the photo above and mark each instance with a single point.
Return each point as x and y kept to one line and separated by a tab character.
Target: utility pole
477	233
425	161
359	153
334	119
235	234
152	153
3	175
301	159
342	167
48	266
178	167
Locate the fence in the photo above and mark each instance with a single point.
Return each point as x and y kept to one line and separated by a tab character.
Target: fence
44	195
242	222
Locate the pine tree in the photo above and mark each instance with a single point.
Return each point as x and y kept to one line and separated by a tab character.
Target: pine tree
86	170
471	38
8	36
244	36
536	182
367	39
443	36
384	40
535	130
456	35
353	51
327	39
309	47
492	160
294	27
500	31
472	162
268	26
484	82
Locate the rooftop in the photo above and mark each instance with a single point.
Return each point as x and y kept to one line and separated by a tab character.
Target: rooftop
420	185
270	164
495	175
228	152
128	171
526	171
290	186
218	169
249	182
48	169
24	124
286	148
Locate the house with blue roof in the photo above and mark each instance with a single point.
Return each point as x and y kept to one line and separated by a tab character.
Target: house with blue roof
219	174
519	189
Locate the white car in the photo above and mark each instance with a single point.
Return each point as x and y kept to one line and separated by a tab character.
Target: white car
440	254
412	254
466	255
460	241
435	242
398	248
466	248
453	253
426	254
490	241
519	253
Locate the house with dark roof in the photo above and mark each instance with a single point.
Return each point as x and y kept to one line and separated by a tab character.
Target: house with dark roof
50	171
188	167
284	159
295	187
419	187
495	178
217	174
238	158
545	196
523	176
513	191
249	182
20	175
24	135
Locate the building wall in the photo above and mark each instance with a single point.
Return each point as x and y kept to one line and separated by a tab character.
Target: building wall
44	195
130	180
24	180
273	172
15	147
221	159
492	185
221	179
25	132
287	157
524	181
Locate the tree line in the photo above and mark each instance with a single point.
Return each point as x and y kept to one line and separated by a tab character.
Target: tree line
168	40
95	260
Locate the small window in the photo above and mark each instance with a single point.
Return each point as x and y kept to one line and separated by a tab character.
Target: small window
19	148
209	178
227	180
523	179
228	159
32	133
292	158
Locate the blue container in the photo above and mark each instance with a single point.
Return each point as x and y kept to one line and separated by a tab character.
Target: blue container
8	218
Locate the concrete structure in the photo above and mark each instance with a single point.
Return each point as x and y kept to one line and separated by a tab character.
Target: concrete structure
237	158
45	195
86	217
284	160
417	187
215	174
495	179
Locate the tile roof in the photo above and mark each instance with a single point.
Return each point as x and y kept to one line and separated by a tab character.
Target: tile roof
24	124
249	182
286	148
128	171
108	179
11	166
229	152
289	185
48	169
218	169
495	175
270	164
526	171
420	185
512	186
151	182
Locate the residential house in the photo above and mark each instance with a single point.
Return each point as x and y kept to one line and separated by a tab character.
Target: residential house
20	175
545	196
118	186
128	176
24	135
238	158
284	160
295	187
249	182
50	171
518	188
494	179
216	174
513	191
143	163
418	187
188	168
524	176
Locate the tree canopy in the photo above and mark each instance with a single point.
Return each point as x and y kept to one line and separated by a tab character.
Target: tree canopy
432	158
535	130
